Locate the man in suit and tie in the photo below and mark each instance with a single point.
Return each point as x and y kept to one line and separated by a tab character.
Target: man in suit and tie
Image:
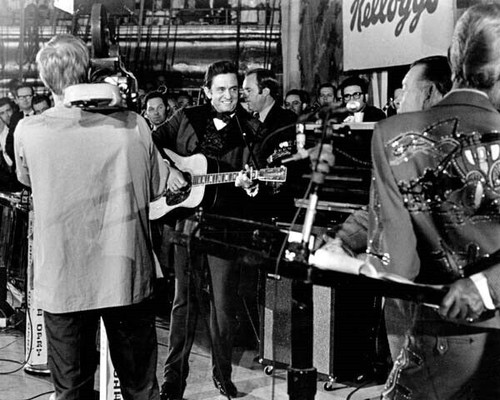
23	96
225	134
24	99
434	209
261	92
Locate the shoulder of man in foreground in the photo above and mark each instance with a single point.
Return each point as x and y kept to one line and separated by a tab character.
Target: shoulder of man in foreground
401	123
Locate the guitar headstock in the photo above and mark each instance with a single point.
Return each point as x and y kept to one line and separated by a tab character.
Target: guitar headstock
277	174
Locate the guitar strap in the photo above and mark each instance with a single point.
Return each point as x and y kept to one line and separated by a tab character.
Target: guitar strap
197	117
244	136
165	156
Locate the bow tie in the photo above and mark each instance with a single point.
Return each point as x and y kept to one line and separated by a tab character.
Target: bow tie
223	116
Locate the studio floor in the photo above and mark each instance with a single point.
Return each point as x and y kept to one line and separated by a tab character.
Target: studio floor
248	374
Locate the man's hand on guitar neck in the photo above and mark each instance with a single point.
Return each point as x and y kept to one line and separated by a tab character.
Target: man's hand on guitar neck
176	180
244	181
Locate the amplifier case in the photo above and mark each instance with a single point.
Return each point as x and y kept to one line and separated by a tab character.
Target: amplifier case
345	322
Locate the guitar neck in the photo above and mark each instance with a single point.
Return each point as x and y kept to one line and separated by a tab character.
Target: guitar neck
218	178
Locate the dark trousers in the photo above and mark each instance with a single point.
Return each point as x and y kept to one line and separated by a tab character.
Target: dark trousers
439	360
190	281
451	367
73	357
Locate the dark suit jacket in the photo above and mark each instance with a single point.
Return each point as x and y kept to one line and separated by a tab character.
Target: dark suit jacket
434	198
8	178
277	200
9	142
373	114
186	128
279	126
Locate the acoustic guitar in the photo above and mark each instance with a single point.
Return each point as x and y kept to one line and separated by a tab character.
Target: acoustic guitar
195	169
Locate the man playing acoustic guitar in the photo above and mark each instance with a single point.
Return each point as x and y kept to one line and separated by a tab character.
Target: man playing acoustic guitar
225	134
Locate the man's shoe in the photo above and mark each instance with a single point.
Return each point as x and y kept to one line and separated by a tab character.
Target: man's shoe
172	390
227	388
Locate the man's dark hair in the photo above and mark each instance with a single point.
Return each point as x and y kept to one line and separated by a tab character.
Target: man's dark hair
327	85
303	95
266	79
436	70
219	68
39	98
7	100
24	85
156	94
354	81
184	93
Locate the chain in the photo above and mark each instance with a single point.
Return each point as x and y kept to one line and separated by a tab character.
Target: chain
352	158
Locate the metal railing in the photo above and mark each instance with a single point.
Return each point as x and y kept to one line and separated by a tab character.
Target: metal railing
166	41
264	14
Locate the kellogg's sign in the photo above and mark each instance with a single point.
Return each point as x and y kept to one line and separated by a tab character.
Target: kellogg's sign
384	33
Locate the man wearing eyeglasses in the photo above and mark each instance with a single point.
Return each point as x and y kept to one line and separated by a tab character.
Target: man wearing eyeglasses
23	97
355	95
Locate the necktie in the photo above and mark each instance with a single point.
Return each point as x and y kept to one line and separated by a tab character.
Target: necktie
223	116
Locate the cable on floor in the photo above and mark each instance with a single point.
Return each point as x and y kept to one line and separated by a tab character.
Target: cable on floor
39	395
349	397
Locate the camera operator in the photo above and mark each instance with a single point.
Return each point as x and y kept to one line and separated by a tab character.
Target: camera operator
92	178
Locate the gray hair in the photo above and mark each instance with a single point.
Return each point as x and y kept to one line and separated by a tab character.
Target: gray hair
475	48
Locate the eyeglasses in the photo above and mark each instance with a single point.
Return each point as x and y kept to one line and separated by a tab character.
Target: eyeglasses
25	97
355	96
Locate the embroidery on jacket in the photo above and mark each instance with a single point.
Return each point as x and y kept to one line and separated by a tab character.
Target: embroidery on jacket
462	171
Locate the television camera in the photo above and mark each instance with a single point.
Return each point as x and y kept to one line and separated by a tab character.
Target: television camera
111	86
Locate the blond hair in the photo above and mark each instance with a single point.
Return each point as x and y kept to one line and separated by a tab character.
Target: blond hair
62	62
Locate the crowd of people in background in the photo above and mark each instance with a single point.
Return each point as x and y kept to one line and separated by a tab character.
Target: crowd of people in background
159	103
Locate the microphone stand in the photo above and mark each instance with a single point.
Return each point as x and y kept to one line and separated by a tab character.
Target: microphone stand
302	376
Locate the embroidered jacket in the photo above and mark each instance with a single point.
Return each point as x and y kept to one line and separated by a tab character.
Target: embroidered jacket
434	200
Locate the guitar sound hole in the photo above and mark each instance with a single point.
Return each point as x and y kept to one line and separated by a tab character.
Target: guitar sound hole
174	198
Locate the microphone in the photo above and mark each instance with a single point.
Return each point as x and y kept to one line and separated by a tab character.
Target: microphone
325	159
331	111
300	137
389	104
321	112
300	155
300	143
325	156
353	106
